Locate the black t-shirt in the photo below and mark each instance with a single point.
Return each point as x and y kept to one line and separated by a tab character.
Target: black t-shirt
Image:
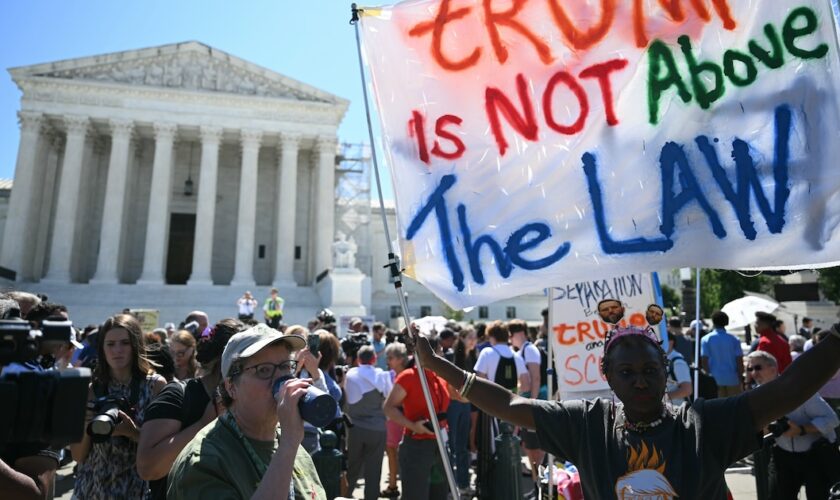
184	401
685	457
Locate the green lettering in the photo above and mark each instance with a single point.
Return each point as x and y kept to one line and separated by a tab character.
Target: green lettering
790	33
729	59
705	97
659	54
777	58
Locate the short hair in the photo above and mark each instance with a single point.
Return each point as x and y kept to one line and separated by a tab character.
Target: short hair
806	319
797	343
499	331
44	310
297	330
675	322
604	301
516	326
396	349
274	290
765	317
446	333
378	326
763	355
366	354
720	319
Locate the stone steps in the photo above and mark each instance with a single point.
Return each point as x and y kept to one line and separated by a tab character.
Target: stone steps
91	304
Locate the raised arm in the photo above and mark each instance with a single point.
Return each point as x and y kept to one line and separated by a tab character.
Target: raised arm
491	398
799	382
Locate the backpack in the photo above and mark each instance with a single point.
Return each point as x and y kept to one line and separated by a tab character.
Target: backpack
708	387
506	372
544	367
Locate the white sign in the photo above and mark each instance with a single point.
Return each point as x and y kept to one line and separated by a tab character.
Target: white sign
539	142
577	333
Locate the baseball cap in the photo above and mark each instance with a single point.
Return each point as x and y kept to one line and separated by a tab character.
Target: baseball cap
251	341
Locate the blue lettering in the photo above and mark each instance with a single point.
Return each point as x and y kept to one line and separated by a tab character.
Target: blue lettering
474	249
747	178
517	244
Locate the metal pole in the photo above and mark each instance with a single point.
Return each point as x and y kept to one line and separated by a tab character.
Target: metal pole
697	315
396	272
550	381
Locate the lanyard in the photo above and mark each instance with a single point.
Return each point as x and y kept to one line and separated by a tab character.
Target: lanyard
230	422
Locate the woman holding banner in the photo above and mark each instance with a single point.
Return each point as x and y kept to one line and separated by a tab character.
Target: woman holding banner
640	446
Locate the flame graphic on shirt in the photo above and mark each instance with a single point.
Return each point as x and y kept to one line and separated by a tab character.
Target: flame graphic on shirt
645	479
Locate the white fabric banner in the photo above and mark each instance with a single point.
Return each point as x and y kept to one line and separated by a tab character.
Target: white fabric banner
541	142
577	335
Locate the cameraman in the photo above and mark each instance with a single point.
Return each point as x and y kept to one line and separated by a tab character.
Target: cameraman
27	471
805	448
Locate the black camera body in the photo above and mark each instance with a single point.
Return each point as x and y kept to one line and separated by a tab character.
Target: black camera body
40	406
106	416
353	342
779	427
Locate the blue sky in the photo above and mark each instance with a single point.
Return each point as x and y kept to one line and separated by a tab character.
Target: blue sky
309	40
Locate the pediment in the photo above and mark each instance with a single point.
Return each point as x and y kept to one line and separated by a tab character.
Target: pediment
190	66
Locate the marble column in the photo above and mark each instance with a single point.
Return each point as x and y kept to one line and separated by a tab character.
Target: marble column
114	205
46	205
67	205
157	224
324	202
243	274
211	138
287	187
19	221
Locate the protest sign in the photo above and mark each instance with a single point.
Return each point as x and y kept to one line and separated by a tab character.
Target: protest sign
577	333
534	142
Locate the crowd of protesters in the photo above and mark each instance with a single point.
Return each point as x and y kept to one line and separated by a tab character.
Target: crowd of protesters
201	417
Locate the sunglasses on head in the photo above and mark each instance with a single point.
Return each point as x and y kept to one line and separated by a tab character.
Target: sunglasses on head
754	368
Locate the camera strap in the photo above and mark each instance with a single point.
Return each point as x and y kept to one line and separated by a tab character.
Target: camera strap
99	391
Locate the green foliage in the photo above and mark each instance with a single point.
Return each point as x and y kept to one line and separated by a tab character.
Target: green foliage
830	283
670	298
718	287
453	314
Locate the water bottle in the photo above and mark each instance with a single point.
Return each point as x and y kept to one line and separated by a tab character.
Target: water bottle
316	406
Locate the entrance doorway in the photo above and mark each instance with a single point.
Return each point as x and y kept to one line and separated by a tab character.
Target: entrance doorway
180	254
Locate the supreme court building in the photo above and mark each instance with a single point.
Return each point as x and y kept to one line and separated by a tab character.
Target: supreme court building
177	177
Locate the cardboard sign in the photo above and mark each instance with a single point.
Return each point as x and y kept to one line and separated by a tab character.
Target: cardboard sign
541	142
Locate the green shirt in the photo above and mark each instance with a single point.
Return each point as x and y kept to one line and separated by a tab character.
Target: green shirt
216	465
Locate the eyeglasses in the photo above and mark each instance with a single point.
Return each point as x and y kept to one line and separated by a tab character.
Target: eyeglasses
266	371
754	368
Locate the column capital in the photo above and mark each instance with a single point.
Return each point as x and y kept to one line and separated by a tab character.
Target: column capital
326	144
251	137
209	133
121	127
165	130
290	140
77	124
30	121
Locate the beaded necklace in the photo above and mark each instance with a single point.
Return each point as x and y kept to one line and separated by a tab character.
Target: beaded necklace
640	427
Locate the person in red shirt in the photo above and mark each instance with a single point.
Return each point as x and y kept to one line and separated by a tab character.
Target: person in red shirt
771	341
418	453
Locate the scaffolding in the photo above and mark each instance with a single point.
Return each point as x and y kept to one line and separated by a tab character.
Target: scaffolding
352	200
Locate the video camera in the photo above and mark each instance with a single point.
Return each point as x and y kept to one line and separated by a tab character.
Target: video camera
106	416
353	342
40	407
776	428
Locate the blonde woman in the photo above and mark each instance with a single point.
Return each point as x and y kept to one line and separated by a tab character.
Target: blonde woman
182	345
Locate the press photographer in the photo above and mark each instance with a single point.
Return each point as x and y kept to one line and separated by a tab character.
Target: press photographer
40	408
123	386
804	441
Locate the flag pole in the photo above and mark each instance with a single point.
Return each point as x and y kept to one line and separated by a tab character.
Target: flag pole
548	373
394	268
697	317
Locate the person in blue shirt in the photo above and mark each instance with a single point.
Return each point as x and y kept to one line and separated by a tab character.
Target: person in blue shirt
379	345
722	357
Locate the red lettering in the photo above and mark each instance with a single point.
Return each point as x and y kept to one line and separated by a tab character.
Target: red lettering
441	132
639	320
593	361
496	100
583	331
602	72
416	130
506	18
437	26
675	10
571	369
582	40
561	330
580	94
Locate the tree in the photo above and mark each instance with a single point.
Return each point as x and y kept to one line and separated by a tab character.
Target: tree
718	287
670	298
830	283
453	314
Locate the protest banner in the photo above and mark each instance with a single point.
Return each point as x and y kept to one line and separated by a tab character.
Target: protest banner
536	142
577	333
